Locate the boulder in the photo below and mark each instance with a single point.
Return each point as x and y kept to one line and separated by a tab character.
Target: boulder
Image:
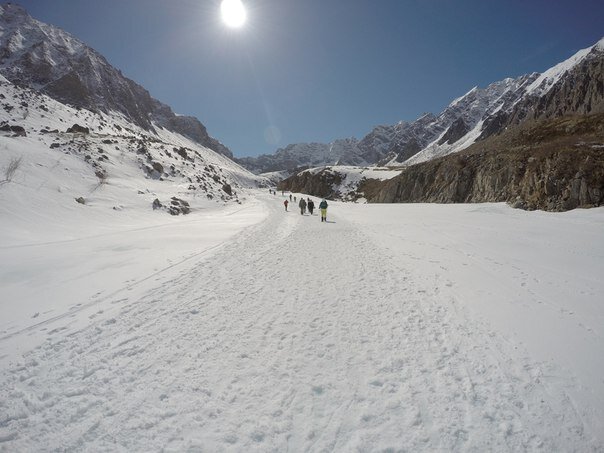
77	129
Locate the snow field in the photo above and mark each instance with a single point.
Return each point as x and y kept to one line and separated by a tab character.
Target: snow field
296	335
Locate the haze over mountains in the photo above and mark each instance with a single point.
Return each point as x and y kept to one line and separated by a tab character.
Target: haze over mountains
571	87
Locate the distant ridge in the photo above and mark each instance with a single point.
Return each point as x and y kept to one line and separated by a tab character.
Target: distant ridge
573	87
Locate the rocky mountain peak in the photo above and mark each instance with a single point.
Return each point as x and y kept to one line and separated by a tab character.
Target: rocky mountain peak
13	12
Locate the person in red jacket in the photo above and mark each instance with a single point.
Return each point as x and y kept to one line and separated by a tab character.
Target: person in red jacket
285	204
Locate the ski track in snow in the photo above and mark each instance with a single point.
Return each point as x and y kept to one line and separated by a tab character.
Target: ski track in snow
286	339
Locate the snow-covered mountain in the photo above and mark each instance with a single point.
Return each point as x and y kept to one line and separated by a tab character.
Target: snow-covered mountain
458	126
104	160
72	128
571	87
304	155
50	60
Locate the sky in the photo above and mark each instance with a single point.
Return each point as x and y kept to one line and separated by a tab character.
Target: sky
319	70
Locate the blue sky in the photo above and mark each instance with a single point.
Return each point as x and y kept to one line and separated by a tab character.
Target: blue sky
317	70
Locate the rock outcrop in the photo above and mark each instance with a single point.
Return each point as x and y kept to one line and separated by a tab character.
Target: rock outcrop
553	165
320	183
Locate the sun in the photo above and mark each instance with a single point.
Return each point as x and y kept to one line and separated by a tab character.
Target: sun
233	13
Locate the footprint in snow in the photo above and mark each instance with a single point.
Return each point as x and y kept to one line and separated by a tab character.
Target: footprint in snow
318	389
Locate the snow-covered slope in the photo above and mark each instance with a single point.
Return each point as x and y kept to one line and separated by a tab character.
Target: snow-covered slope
111	163
460	124
50	60
544	83
425	328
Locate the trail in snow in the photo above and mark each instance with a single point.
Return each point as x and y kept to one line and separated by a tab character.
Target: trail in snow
294	336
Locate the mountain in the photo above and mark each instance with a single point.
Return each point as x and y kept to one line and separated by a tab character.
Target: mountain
105	159
51	61
553	164
293	157
573	87
535	142
78	136
458	126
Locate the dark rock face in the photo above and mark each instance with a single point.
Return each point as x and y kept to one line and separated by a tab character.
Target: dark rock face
556	182
178	206
19	131
457	130
578	92
320	184
405	149
553	165
158	167
538	166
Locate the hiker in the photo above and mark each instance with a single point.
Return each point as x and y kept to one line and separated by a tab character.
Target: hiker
323	208
302	206
285	204
294	199
290	197
311	206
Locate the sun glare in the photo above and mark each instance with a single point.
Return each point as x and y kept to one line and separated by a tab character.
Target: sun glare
233	13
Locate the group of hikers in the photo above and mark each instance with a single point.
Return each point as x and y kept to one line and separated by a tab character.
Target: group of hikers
308	204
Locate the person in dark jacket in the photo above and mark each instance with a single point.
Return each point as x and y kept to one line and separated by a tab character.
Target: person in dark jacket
323	208
311	206
302	205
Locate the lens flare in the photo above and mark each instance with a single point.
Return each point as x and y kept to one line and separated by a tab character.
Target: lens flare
233	13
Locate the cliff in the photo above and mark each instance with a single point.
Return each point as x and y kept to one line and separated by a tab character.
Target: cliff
554	165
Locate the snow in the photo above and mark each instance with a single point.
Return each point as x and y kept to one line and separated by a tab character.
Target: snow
434	150
459	99
550	77
392	327
352	176
355	174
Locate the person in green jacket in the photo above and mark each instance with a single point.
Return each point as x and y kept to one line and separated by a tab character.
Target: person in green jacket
323	208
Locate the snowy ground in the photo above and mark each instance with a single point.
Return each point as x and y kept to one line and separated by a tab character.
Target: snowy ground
392	327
